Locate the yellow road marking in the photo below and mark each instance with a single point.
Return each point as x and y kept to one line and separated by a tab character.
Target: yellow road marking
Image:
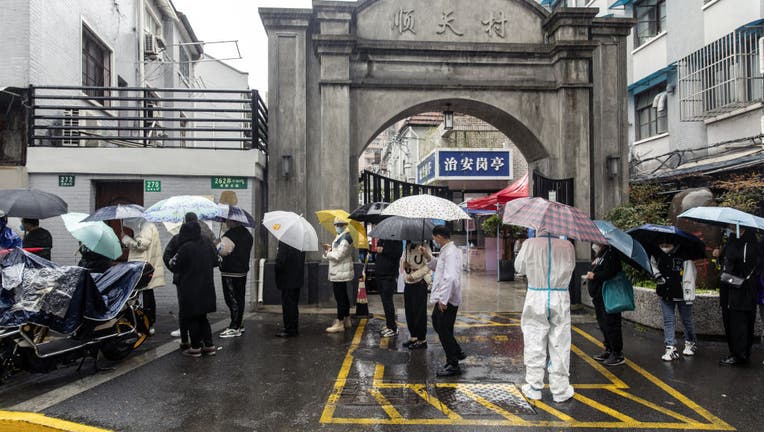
605	409
386	405
598	367
14	421
432	400
557	413
653	406
493	407
339	384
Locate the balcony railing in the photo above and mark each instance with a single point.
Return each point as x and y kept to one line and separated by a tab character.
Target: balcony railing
67	116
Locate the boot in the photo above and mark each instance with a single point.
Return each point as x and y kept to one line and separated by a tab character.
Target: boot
336	327
348	324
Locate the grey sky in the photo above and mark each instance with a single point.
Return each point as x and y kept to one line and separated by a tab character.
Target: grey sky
236	20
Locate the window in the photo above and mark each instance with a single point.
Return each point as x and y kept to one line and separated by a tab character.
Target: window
650	121
96	63
651	20
185	64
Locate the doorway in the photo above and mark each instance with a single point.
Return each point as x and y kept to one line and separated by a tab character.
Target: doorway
108	193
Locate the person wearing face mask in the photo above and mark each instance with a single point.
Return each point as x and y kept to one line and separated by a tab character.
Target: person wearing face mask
548	264
738	296
236	250
37	237
8	238
340	257
675	278
606	266
147	247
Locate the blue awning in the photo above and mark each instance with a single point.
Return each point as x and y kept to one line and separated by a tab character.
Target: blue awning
621	3
651	80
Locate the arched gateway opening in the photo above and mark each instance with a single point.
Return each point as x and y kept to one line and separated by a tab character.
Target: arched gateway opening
340	73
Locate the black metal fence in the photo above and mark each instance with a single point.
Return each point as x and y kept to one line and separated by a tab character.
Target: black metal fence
375	187
71	116
562	189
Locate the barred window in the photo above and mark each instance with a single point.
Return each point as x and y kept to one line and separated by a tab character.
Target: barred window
96	63
651	20
185	64
650	121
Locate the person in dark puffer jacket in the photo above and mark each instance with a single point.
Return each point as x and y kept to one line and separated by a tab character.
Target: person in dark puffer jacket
236	249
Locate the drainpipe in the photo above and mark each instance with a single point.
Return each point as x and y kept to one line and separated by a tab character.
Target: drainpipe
260	280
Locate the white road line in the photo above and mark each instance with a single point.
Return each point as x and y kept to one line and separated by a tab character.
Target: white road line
53	397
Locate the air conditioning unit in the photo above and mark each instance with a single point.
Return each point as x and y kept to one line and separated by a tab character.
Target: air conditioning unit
150	46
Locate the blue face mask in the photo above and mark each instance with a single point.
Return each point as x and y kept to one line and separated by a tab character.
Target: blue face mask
339	229
21	228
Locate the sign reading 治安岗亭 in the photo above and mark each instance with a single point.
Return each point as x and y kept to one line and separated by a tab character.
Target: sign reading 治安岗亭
472	164
229	182
66	181
152	186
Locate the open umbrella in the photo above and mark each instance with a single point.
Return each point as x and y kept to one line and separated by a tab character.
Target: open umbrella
96	236
357	231
630	248
291	229
120	211
401	228
31	203
649	235
553	217
369	212
425	207
174	209
723	216
238	214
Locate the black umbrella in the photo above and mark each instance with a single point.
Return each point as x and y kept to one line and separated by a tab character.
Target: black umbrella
402	228
690	247
370	212
31	204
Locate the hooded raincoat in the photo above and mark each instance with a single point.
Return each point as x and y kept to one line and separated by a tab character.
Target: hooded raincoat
146	246
548	264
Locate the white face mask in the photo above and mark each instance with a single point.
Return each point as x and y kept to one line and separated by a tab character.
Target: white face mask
339	229
667	249
596	248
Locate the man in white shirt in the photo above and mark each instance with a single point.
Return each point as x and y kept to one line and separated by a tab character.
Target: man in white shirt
548	264
446	295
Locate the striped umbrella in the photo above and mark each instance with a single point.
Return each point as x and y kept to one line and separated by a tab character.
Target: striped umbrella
553	217
238	214
120	211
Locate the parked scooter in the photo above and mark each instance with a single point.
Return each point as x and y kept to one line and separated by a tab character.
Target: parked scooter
52	316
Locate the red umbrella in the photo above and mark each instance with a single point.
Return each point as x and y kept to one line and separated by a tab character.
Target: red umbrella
553	217
518	189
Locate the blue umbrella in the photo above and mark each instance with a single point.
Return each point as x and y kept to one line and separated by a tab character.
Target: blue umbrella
690	247
630	248
120	211
723	216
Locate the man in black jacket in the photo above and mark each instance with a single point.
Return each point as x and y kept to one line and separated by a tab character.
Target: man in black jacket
236	250
37	237
290	264
386	271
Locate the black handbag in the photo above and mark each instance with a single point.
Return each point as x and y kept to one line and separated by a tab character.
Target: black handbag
732	280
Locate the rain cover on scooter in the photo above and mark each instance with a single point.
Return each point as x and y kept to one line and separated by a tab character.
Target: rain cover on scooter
116	285
35	290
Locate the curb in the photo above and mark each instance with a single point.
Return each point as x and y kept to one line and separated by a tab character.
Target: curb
14	421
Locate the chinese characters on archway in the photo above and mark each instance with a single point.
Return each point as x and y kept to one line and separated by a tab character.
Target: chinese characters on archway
466	163
494	24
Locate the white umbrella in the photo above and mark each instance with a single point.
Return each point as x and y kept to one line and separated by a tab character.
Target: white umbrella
291	229
425	207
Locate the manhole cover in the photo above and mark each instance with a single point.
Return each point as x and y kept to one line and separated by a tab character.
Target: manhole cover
463	398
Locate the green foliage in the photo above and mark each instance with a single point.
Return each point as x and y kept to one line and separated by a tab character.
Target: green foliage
490	225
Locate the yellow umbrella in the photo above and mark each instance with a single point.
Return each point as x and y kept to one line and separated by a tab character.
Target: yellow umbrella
357	230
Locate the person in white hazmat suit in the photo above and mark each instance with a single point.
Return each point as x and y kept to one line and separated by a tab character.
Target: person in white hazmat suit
548	264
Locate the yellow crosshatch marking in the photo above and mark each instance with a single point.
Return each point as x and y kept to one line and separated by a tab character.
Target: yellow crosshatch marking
597	399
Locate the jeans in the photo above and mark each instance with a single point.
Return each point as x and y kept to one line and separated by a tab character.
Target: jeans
235	294
387	286
669	330
443	323
415	304
343	302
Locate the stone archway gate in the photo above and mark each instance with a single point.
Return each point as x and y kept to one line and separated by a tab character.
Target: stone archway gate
341	72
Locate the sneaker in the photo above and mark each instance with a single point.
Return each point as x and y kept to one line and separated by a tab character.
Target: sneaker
347	323
184	346
389	333
175	333
689	348
383	329
336	327
408	343
449	370
615	359
461	355
152	331
192	352
230	333
242	330
530	392
420	344
210	350
670	354
602	356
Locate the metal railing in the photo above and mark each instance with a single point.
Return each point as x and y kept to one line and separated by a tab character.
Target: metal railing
375	188
722	76
73	116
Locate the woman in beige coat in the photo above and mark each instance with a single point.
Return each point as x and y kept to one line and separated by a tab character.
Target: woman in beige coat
418	279
341	271
146	247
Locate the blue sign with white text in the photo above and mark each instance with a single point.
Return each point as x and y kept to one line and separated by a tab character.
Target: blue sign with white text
426	169
458	164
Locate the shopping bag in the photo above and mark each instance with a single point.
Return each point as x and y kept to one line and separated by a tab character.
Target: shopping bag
618	294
